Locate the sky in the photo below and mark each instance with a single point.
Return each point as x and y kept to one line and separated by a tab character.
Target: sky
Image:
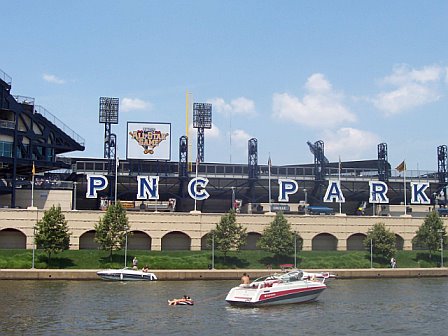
350	73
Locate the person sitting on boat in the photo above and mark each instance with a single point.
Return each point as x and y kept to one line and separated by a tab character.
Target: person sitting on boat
245	280
145	269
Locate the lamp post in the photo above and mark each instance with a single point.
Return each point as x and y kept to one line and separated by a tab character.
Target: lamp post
126	248
34	246
117	163
295	249
213	251
371	253
306	199
74	195
441	247
233	198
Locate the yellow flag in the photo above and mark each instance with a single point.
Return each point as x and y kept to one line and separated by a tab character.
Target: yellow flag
33	170
401	167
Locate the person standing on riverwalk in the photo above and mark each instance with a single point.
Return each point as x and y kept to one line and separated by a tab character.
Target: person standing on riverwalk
393	262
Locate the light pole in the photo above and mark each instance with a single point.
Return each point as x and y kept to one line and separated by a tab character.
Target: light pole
213	251
306	199
34	246
371	253
233	198
117	163
295	249
74	195
441	247
126	248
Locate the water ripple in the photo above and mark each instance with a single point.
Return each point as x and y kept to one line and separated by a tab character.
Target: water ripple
347	307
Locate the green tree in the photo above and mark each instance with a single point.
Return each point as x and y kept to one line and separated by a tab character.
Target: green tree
278	238
383	239
228	235
430	233
112	228
52	233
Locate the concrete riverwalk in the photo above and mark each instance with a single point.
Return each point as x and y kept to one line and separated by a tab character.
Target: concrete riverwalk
233	274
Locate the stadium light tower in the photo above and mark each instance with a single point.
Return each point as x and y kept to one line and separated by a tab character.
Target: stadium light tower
202	119
109	116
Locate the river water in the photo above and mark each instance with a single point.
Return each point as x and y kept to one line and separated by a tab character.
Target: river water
347	307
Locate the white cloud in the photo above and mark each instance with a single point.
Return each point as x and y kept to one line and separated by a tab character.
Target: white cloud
53	79
318	83
413	87
241	105
321	107
403	74
240	138
212	133
131	104
349	143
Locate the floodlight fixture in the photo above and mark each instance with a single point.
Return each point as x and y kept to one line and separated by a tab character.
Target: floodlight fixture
202	115
109	110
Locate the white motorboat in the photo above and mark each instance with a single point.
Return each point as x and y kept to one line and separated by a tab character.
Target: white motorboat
126	274
283	288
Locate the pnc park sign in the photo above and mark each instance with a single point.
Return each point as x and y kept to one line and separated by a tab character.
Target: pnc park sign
148	189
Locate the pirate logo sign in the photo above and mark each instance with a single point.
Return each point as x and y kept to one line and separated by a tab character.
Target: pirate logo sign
148	138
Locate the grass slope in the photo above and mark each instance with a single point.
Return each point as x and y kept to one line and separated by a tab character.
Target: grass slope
94	259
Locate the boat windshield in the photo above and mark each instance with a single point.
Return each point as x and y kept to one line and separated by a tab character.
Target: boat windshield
283	277
292	276
268	277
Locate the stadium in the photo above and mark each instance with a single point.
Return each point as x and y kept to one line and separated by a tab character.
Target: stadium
37	172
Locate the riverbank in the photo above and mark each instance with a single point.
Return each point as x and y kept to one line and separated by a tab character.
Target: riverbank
374	273
201	260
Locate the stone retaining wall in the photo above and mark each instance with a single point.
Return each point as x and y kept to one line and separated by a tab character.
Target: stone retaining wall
374	273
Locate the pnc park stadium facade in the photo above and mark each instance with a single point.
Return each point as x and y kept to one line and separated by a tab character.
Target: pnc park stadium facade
175	203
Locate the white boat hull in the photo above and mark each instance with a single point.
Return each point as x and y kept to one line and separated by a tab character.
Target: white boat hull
251	298
126	275
276	289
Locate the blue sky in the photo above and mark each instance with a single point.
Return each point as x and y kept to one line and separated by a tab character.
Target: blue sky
351	73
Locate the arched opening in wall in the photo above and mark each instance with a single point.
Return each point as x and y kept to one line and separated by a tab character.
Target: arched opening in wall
12	239
87	241
324	242
418	247
204	243
251	242
175	241
139	240
399	242
356	242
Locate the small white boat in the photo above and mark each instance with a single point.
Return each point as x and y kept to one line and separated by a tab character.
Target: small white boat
290	287
126	274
